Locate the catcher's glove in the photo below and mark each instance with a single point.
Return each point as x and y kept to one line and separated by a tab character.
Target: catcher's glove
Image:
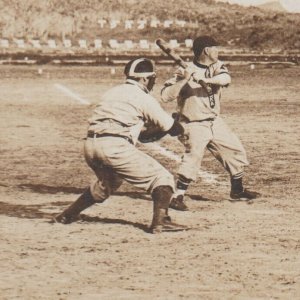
151	133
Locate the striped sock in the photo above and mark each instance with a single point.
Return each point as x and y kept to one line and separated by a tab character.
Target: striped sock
182	185
238	175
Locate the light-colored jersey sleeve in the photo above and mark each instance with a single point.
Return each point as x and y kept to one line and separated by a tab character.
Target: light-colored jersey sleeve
167	94
217	69
154	113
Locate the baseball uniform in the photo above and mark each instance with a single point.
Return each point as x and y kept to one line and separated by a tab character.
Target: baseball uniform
114	128
112	134
200	112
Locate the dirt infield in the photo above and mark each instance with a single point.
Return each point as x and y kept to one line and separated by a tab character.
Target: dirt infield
235	251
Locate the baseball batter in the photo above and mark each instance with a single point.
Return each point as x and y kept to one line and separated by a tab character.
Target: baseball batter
110	151
198	110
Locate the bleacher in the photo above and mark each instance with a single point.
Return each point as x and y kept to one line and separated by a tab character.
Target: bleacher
106	41
108	49
85	44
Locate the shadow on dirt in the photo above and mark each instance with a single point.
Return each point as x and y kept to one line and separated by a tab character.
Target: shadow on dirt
26	211
46	189
34	212
200	198
89	219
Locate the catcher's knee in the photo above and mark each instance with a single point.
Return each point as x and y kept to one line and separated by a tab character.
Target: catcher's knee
99	192
165	179
98	199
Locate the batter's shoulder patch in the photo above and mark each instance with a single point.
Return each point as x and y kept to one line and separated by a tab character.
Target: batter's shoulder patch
218	68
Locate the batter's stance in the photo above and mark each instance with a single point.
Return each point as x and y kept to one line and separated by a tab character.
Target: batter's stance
110	151
199	111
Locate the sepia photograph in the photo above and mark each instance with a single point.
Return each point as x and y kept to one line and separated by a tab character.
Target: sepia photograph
149	149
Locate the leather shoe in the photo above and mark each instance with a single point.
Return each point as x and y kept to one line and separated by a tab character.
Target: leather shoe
245	195
178	203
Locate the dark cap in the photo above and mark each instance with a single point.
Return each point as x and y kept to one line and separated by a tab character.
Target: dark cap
140	67
202	42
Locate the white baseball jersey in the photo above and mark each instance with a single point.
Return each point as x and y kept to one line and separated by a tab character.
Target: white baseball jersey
124	109
193	101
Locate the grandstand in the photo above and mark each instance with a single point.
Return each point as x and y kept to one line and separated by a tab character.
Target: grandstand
81	45
121	39
113	51
93	23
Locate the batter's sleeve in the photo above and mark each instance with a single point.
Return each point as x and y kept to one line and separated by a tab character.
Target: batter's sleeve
219	68
167	94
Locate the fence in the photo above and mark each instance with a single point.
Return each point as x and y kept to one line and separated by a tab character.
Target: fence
85	44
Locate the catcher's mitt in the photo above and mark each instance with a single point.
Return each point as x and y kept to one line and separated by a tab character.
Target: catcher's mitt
151	133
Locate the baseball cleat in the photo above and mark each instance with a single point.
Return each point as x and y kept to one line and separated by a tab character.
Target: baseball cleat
63	219
178	203
167	226
245	195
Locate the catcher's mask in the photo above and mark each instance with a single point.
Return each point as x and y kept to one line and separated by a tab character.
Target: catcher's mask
151	82
141	68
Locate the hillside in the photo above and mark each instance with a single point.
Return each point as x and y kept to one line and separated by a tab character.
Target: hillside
233	25
273	5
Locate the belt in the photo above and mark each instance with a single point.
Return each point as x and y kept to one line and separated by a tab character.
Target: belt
99	135
107	120
208	119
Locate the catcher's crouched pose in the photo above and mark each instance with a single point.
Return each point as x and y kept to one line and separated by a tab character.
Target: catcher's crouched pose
110	151
199	109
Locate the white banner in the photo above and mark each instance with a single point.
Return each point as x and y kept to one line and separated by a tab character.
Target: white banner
140	24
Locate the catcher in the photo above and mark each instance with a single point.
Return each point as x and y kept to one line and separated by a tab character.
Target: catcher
109	149
199	111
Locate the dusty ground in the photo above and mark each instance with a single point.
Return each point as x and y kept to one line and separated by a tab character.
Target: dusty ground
235	251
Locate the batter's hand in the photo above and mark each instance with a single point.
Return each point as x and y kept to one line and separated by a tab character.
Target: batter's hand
188	72
197	76
203	81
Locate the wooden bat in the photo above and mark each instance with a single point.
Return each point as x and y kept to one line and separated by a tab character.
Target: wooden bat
163	45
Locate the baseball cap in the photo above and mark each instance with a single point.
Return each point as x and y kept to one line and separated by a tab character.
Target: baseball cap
140	67
202	42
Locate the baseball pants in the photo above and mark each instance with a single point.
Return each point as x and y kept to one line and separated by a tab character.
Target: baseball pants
218	138
114	159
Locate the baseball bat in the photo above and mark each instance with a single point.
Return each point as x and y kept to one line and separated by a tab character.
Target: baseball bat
163	45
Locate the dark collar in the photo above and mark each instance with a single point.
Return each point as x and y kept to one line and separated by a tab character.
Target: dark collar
199	65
